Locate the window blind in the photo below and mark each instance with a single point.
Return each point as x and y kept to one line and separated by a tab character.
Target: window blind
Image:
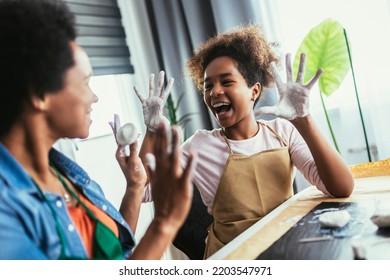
102	36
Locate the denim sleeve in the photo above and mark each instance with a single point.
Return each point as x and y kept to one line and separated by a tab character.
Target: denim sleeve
27	227
15	244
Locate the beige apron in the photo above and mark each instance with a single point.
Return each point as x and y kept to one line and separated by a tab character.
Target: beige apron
250	188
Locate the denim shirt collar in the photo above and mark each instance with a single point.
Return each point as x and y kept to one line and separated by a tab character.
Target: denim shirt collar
72	170
14	174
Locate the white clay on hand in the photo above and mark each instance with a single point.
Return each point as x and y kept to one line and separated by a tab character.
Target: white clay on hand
152	106
151	161
127	134
334	218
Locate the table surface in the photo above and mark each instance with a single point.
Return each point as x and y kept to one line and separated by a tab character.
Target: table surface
255	240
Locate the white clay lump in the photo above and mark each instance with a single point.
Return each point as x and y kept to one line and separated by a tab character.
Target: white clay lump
127	134
334	219
381	217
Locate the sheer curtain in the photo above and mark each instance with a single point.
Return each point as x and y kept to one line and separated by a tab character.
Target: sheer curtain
368	26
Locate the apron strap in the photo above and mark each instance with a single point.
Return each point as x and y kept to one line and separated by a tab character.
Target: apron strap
73	193
227	142
106	244
280	138
61	234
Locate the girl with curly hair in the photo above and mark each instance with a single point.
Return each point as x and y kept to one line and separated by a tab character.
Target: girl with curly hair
246	167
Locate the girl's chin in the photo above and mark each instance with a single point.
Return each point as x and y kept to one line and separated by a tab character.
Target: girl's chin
223	118
223	122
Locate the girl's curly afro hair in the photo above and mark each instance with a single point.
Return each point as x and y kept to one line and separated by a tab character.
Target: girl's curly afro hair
246	45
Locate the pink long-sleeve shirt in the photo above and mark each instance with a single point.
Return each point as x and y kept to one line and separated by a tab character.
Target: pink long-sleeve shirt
213	153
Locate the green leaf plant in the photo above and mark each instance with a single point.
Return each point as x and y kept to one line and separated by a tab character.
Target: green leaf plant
172	114
327	47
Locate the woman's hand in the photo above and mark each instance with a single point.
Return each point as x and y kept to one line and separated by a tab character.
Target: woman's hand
293	96
171	185
135	175
171	192
153	106
129	161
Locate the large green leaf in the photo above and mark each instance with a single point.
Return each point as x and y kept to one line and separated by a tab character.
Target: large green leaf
325	47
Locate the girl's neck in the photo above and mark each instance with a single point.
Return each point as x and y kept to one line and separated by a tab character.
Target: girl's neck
241	131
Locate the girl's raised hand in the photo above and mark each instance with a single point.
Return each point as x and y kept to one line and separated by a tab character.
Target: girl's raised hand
294	96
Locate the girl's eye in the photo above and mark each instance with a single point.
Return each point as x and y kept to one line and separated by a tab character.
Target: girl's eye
207	86
227	82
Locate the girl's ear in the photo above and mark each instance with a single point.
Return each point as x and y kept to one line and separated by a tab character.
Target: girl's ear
256	91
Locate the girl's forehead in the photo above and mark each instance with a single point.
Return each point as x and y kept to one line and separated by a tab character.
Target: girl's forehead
220	65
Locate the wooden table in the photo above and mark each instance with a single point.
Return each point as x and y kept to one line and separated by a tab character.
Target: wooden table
265	232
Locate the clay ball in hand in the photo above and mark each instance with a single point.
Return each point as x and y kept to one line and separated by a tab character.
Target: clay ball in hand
127	134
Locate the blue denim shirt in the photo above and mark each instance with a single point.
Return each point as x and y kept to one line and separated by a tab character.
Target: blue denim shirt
27	227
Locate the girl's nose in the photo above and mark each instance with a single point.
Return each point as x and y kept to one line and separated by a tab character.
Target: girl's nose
217	90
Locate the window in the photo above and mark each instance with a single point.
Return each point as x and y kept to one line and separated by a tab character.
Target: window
368	26
116	96
100	32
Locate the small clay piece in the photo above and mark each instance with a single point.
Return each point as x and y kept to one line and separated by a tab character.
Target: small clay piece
334	219
381	218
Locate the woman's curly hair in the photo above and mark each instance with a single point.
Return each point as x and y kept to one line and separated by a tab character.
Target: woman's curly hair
246	45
